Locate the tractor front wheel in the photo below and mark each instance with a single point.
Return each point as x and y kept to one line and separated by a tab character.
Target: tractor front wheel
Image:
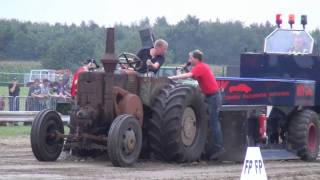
45	143
124	141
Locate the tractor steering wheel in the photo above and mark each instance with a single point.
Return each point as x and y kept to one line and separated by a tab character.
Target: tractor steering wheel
129	60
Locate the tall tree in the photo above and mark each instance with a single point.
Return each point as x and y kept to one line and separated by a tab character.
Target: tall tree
66	46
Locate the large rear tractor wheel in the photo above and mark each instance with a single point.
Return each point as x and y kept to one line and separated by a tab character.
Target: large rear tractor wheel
304	134
124	141
145	149
45	143
178	128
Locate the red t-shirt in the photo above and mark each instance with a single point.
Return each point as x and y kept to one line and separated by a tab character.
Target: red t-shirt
207	81
75	80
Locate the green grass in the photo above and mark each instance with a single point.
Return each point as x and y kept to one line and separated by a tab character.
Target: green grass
16	68
4	91
6	131
19	66
23	92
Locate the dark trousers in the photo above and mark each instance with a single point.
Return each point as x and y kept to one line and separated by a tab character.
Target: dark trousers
214	105
13	103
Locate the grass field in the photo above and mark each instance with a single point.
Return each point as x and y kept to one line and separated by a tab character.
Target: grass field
6	131
5	92
14	130
19	66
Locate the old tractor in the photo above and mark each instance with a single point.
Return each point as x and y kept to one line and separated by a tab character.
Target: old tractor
122	114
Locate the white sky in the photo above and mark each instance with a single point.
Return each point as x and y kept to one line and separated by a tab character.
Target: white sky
108	12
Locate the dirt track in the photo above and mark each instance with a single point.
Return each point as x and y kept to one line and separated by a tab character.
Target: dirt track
18	162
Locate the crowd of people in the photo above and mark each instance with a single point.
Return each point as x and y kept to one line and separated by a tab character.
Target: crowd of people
44	94
41	94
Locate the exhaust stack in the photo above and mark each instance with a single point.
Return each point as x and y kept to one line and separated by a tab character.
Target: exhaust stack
109	61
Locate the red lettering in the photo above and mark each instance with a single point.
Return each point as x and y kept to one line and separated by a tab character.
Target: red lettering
232	97
244	88
223	84
303	91
254	96
279	94
309	91
300	90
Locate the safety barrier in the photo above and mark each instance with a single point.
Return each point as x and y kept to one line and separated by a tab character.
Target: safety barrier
22	116
29	103
24	108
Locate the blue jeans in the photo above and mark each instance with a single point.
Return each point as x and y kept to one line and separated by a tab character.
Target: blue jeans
214	105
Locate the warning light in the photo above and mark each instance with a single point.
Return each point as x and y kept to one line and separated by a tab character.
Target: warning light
291	20
304	20
278	20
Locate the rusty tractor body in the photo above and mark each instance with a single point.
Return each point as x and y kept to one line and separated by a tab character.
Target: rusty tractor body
127	115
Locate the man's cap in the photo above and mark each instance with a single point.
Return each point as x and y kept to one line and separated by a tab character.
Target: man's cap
91	61
14	78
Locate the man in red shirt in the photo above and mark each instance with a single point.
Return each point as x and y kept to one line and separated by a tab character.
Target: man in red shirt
89	65
209	87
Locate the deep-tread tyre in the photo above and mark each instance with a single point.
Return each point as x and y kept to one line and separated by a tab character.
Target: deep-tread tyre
304	134
178	128
145	148
124	141
44	142
154	126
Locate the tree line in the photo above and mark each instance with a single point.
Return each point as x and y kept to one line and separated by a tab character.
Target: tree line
66	46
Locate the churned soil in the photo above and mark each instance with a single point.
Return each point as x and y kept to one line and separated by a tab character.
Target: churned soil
17	162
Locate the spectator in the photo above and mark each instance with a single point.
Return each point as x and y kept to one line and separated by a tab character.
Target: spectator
67	91
34	94
45	89
2	106
2	103
44	94
66	77
61	88
14	91
59	92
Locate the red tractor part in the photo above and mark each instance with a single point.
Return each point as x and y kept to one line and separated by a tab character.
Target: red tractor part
262	118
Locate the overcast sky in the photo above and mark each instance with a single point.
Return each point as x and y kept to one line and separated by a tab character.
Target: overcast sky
109	12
